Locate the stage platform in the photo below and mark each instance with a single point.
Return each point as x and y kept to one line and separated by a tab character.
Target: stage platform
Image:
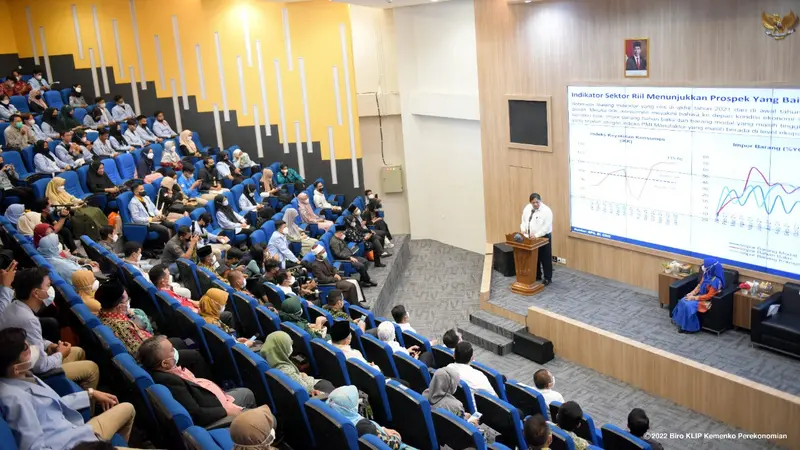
620	331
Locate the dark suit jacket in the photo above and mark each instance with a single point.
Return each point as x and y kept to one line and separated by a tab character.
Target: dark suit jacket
339	249
207	177
630	64
323	271
202	405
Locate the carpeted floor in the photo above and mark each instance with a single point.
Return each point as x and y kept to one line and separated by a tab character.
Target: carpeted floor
440	289
634	313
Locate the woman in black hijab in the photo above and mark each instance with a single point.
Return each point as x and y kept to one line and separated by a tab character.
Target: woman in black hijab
66	121
228	219
248	202
50	123
98	181
146	164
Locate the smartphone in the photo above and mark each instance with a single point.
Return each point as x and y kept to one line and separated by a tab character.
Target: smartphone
252	338
476	416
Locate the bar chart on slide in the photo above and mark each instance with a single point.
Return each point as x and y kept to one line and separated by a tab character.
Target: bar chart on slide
684	171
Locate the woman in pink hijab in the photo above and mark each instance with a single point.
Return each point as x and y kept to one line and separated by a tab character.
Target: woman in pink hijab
307	213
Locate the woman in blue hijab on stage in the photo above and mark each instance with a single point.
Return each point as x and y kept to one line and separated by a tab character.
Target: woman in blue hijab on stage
699	300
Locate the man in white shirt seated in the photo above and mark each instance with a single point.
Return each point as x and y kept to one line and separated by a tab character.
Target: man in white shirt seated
537	222
121	110
400	316
545	382
320	201
474	378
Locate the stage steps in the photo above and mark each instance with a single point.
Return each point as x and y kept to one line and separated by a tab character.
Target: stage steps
490	332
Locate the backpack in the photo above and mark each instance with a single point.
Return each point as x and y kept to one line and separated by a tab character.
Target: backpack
87	221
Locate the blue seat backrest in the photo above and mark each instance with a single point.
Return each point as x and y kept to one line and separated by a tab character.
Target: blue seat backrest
188	272
497	379
183	222
122	200
15	159
561	440
126	166
197	438
206	279
411	339
246	307
168	307
501	416
72	184
27	152
89	319
79	114
53	99
269	320
290	397
39	187
236	192
330	427
413	371
617	438
65	95
171	415
301	343
371	442
586	430
6	435
21	103
110	167
412	416
112	346
136	377
82	171
527	400
252	367
331	362
371	381
220	344
191	326
197	212
258	237
456	432
379	353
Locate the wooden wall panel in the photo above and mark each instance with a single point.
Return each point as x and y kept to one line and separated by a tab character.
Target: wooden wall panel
540	48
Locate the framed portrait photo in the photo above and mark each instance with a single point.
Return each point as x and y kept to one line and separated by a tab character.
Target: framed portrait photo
637	58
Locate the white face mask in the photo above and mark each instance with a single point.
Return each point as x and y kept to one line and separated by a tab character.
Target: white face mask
114	238
38	77
283	230
34	354
371	196
324	255
170	279
222	310
291	281
95	285
270	438
62	188
214	262
225	202
51	297
554	383
60	247
78	90
149	156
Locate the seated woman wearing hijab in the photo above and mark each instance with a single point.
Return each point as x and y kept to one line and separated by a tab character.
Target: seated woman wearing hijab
344	400
254	429
685	314
28	221
170	158
75	98
66	121
278	351
248	203
292	311
188	148
45	162
295	234
212	310
308	215
439	394
35	102
145	168
171	201
14	212
270	189
86	284
118	142
48	248
42	230
242	160
49	121
98	182
228	219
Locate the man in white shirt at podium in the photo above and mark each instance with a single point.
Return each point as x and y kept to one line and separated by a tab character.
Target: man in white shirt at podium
537	222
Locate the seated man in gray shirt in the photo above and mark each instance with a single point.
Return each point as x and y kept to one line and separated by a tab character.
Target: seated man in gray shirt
182	245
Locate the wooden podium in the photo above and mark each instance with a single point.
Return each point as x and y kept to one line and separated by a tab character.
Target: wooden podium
526	260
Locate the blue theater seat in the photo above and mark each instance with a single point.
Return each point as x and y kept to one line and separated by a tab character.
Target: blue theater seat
111	169
301	344
456	432
246	307
497	380
126	166
220	344
111	346
269	321
190	325
197	438
137	380
253	368
413	371
21	103
357	312
502	417
618	439
205	278
143	296
371	442
380	353
188	271
561	440
331	362
132	231
587	429
290	399
53	99
412	416
168	307
173	419
371	381
528	401
331	427
411	339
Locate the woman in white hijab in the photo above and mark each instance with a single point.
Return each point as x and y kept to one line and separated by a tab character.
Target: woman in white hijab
295	234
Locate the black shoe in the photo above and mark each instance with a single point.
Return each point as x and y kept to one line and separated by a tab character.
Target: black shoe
547	282
366	284
377	264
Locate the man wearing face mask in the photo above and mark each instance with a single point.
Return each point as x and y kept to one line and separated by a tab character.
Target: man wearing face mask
208	176
17	135
40	418
203	399
38	81
144	212
325	273
544	382
320	201
121	112
33	292
182	245
279	245
108	238
207	260
162	280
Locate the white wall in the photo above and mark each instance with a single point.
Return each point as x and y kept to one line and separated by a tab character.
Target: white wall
437	73
376	81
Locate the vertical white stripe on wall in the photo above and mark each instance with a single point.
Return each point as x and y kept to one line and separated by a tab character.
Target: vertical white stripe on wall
217	126
95	82
263	84
304	93
337	95
248	50
77	31
45	56
332	155
176	106
200	76
298	139
287	37
241	84
136	106
139	59
32	35
159	60
257	128
225	111
118	46
283	135
179	57
349	103
103	71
